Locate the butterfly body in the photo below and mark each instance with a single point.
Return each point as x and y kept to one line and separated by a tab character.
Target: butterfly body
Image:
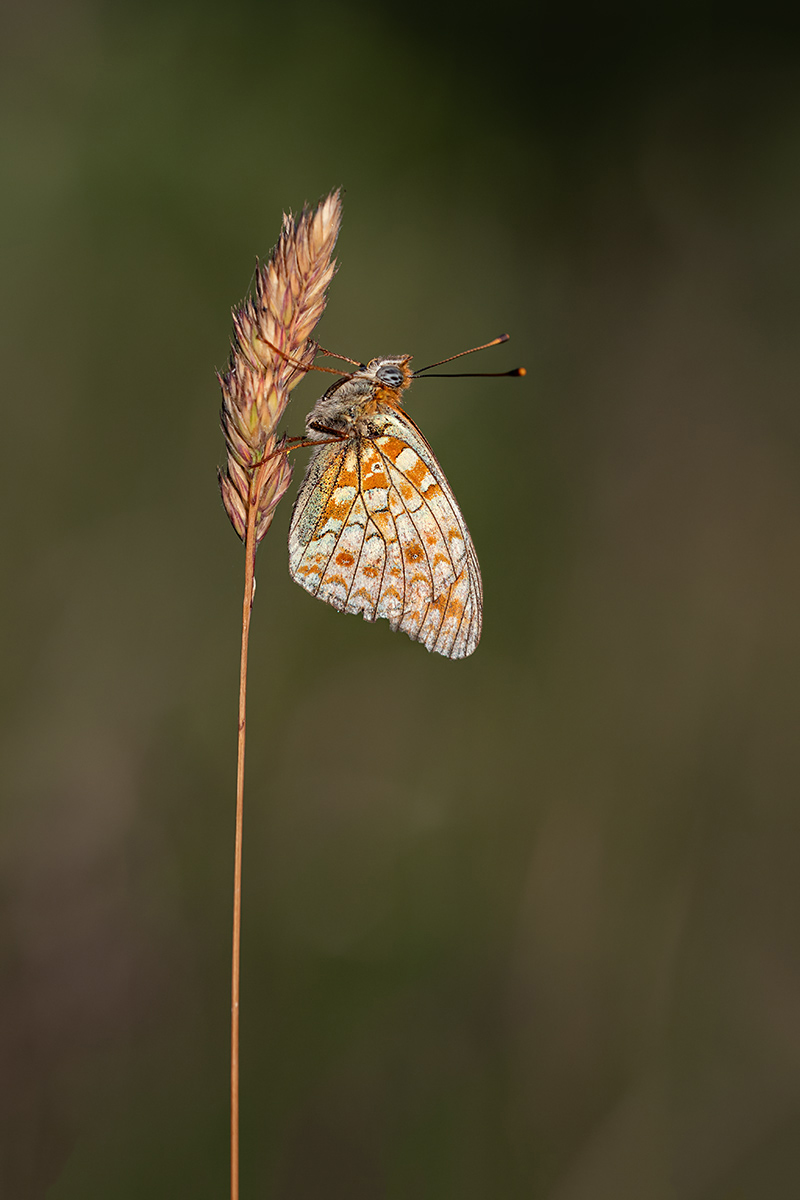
376	529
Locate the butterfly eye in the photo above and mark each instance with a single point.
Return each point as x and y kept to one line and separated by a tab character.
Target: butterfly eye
391	375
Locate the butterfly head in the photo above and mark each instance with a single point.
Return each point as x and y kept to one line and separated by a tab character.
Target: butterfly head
391	374
359	395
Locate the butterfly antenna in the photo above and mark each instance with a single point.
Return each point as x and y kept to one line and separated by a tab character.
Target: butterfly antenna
495	342
303	366
518	372
330	354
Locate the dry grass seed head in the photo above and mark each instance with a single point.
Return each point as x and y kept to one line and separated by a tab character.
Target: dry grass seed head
287	302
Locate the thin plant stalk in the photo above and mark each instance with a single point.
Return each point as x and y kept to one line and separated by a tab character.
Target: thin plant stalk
271	351
247	609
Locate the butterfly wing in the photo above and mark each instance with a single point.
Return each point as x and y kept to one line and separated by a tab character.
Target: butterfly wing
377	530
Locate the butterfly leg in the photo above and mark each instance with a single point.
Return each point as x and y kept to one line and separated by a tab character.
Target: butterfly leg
299	442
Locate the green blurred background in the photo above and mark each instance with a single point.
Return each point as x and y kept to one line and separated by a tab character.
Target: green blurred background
520	926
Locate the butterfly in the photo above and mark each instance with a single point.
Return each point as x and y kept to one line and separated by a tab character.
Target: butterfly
376	528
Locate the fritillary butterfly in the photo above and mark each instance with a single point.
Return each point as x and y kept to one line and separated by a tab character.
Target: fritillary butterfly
375	527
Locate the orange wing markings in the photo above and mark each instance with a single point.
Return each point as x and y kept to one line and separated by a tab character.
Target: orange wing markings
379	586
437	528
312	546
464	612
421	572
391	446
443	612
340	574
321	474
372	470
461	625
353	581
418	590
365	591
321	478
458	630
377	530
392	592
401	584
369	569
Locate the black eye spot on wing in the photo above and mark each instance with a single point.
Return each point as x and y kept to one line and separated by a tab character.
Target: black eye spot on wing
393	376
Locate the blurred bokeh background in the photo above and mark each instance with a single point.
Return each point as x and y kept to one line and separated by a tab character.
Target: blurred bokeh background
521	926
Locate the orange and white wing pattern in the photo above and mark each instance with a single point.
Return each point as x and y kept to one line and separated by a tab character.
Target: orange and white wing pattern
377	530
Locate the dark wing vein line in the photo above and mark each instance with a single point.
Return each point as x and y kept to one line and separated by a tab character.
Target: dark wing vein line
319	519
366	523
456	572
299	510
379	531
432	514
461	618
398	542
424	548
469	565
411	484
395	624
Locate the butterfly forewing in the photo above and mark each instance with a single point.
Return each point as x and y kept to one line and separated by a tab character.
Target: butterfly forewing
376	530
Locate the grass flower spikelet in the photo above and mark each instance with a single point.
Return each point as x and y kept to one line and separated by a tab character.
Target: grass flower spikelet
277	320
